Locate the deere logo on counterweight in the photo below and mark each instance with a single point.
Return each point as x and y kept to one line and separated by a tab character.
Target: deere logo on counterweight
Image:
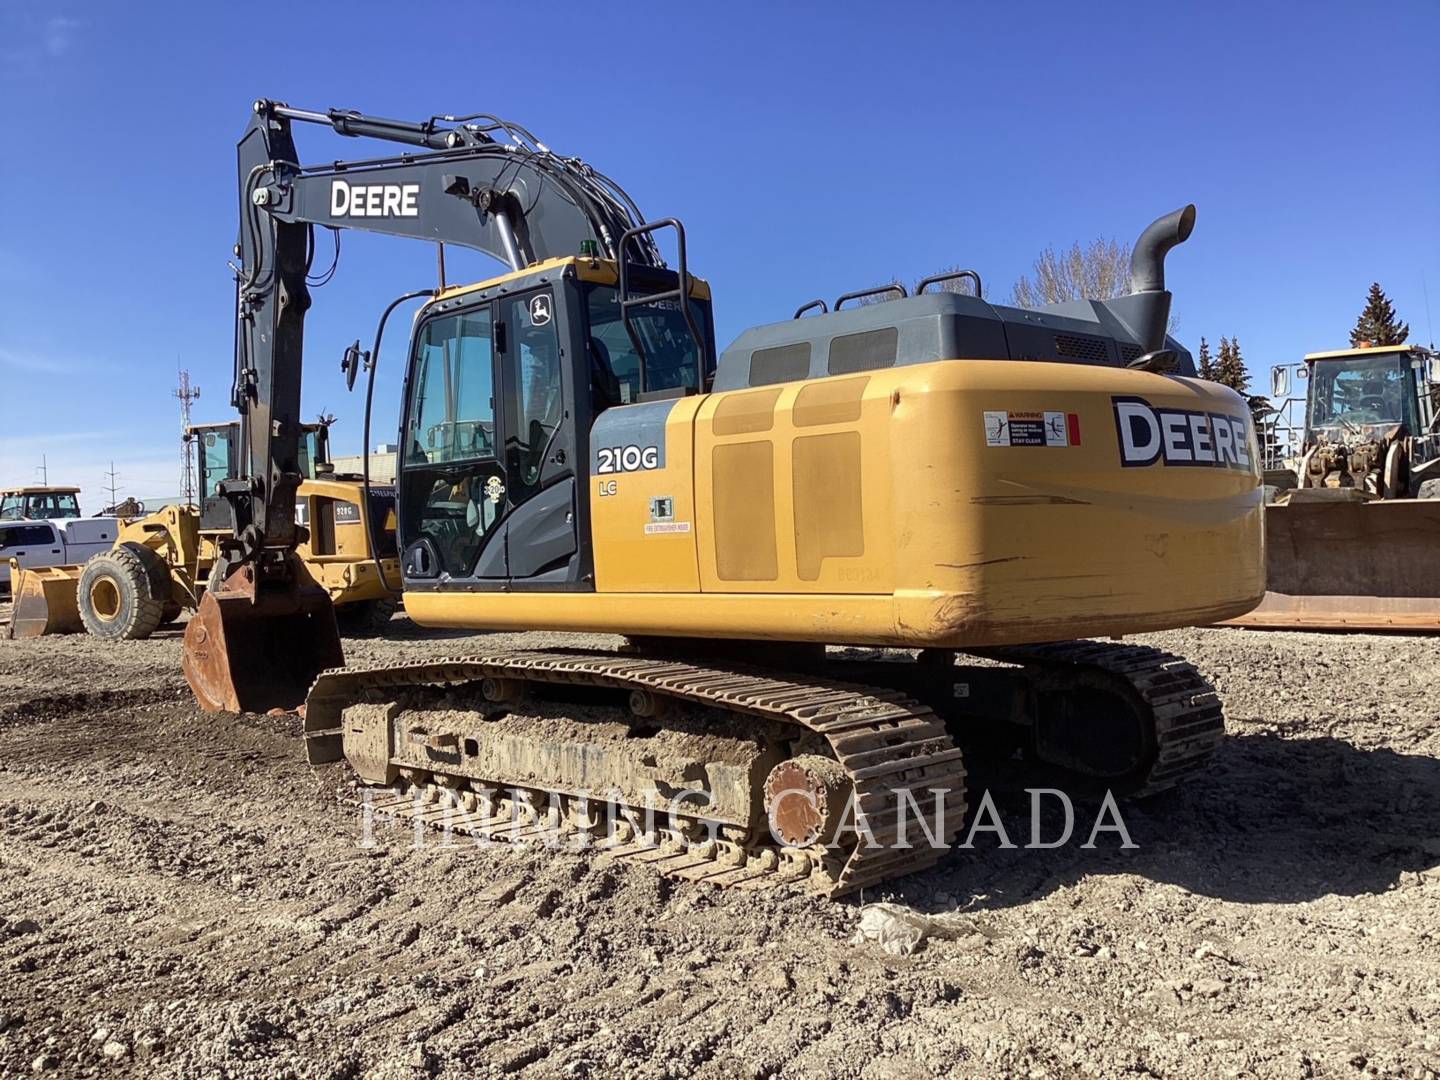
1180	436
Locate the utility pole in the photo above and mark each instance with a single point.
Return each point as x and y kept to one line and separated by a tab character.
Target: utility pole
44	472
111	486
186	393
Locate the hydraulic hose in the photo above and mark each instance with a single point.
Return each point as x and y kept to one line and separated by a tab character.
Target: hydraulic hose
365	449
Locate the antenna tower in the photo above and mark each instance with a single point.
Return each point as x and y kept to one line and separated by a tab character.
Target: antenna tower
186	394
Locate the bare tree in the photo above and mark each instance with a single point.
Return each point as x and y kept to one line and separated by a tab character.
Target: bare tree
1099	271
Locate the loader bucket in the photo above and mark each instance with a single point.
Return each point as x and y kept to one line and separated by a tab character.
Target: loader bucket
1335	564
43	601
250	649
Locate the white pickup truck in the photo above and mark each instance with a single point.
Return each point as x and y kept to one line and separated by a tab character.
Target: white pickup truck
63	542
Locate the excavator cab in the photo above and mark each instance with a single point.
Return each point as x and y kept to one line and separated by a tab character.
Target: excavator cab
505	381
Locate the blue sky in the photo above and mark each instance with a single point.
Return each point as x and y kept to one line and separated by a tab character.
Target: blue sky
810	149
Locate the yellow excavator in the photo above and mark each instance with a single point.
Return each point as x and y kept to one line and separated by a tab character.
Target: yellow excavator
161	563
957	492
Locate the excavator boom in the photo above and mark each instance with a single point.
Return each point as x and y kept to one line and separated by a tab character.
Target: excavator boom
476	181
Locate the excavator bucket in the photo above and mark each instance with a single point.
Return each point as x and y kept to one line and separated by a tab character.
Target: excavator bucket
44	601
253	649
1337	563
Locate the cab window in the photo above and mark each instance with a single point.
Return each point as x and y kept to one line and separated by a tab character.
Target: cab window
216	456
19	536
534	352
670	354
452	403
308	456
1363	391
453	488
49	506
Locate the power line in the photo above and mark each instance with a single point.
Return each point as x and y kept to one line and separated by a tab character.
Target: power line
111	486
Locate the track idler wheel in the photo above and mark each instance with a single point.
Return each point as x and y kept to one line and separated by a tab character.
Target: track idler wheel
254	647
806	799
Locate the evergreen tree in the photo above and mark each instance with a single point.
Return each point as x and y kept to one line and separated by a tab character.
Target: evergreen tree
1224	365
1377	324
1227	368
1231	369
1205	367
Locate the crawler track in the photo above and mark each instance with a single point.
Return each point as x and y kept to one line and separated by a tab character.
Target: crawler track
886	742
1186	720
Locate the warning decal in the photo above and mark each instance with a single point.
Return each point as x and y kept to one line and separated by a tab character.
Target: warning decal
1011	428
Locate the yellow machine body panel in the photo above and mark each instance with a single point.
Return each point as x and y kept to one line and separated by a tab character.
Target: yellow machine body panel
946	504
337	552
658	555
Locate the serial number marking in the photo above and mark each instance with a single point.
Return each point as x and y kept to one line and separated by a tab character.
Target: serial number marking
614	459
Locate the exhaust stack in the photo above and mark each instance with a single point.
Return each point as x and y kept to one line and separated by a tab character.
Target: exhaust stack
1149	302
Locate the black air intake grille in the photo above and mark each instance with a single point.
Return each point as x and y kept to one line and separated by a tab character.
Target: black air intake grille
1128	353
1080	347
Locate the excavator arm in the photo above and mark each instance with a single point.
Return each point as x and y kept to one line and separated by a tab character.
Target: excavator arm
516	201
475	181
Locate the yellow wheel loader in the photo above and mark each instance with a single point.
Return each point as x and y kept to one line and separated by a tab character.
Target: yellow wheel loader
1352	537
922	481
161	563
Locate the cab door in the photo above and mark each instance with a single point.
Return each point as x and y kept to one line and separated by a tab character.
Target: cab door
452	489
486	479
539	440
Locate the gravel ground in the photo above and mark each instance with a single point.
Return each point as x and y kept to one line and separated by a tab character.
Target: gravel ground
180	895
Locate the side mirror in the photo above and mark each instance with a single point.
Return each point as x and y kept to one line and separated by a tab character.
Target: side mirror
1280	382
355	358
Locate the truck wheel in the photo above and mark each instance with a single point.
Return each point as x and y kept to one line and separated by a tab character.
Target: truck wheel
116	594
365	618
